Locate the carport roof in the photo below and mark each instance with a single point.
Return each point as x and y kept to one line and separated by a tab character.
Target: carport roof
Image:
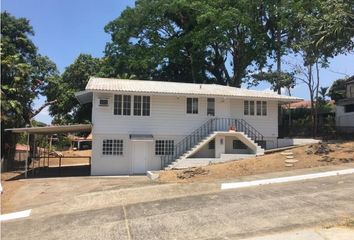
53	129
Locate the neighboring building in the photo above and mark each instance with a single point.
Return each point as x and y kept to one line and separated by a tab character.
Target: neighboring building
81	143
21	152
148	125
305	104
345	109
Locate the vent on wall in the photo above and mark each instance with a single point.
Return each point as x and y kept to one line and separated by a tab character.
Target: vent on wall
103	102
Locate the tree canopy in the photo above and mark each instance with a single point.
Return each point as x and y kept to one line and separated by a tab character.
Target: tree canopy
62	89
24	77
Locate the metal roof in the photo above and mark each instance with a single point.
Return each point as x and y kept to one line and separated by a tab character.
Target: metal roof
177	88
52	129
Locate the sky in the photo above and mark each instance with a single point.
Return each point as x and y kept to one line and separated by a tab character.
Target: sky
66	28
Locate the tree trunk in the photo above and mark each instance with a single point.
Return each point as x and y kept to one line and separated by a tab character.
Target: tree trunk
316	93
194	77
311	90
237	69
278	56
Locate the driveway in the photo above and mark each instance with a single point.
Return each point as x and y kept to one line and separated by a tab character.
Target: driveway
190	211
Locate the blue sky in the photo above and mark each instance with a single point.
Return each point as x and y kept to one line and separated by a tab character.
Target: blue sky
66	28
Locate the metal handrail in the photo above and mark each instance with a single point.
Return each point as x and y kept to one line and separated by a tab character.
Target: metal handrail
212	125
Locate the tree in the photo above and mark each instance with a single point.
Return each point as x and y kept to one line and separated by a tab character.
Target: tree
316	51
338	90
187	41
280	22
277	80
62	90
24	76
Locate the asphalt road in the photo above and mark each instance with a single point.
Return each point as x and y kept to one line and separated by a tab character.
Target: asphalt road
227	214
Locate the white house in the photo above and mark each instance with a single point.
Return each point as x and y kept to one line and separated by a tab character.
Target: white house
148	125
345	109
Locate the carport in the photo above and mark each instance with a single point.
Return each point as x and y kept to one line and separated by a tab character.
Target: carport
48	131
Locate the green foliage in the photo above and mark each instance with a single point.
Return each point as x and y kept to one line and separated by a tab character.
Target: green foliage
62	89
24	72
337	90
24	77
187	41
277	80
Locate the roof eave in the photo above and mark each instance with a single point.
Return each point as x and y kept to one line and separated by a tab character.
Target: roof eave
84	96
280	99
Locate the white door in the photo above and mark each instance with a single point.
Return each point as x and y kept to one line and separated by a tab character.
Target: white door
140	156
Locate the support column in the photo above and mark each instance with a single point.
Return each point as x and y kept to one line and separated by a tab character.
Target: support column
219	145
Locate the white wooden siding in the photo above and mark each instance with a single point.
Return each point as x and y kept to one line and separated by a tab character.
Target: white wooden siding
168	117
266	125
122	164
168	120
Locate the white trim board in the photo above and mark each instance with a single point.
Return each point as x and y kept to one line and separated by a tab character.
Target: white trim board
15	215
235	185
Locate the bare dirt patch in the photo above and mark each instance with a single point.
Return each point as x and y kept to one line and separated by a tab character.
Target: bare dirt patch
12	186
314	155
9	190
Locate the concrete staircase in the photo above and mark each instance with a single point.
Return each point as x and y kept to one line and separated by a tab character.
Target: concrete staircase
182	160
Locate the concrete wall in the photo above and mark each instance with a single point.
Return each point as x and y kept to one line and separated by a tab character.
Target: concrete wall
350	90
344	119
122	164
204	152
230	150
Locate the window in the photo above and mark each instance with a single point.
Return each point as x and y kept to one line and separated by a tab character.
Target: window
192	105
146	105
237	144
245	107
103	102
251	107
264	108
122	107
259	108
112	147
126	104
164	147
211	107
349	108
351	91
137	105
117	109
211	144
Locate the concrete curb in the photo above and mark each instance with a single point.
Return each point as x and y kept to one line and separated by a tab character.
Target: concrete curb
152	175
236	185
15	215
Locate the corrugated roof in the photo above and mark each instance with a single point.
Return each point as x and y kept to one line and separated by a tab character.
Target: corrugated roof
177	88
53	129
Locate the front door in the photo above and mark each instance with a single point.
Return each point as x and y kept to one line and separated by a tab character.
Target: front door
140	156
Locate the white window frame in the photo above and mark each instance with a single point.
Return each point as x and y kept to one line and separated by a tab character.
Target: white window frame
121	106
164	147
259	108
252	108
246	107
194	105
112	147
210	106
264	108
137	109
146	106
255	108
